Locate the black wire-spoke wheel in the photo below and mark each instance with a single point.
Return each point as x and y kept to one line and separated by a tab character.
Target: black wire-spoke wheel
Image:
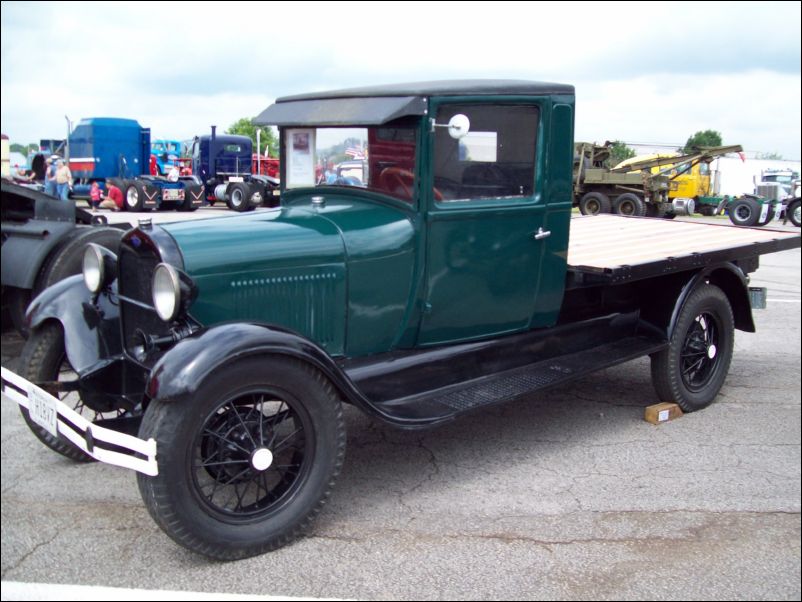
44	362
699	356
251	455
691	371
248	461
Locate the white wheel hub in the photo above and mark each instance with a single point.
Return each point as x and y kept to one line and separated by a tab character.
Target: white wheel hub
261	459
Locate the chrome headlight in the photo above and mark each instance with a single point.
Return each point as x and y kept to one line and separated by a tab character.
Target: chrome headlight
166	292
99	267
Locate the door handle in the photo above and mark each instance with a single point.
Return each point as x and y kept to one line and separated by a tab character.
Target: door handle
541	234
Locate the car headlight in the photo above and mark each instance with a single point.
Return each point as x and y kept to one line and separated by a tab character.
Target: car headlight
166	292
99	267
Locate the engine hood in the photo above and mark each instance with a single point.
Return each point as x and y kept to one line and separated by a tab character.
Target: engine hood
317	270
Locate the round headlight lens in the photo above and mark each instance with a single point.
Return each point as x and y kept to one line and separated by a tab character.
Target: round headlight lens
166	292
93	268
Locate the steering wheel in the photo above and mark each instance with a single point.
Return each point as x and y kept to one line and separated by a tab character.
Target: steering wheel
396	178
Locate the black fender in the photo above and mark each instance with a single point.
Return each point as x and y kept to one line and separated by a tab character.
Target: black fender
26	248
730	279
91	322
662	299
180	372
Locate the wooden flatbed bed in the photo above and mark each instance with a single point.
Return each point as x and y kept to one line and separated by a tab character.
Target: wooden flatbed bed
614	249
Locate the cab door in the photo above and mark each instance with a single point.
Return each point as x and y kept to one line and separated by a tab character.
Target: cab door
486	223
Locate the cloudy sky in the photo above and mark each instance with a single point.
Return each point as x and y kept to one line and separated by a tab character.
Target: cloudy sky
644	72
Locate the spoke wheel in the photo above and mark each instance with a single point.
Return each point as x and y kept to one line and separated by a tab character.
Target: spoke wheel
246	462
44	361
691	371
251	454
699	356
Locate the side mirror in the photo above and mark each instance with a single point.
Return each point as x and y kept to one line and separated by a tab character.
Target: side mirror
458	126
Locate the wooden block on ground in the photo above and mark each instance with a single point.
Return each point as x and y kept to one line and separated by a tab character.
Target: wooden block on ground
662	412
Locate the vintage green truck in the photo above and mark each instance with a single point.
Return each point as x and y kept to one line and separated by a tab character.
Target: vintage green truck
213	357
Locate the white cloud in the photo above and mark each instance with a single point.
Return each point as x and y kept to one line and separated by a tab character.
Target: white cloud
643	71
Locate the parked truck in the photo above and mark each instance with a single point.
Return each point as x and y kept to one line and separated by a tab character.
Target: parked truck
783	187
119	150
659	185
599	189
213	357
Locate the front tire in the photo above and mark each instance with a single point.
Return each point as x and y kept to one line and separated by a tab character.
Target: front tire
246	464
44	360
691	371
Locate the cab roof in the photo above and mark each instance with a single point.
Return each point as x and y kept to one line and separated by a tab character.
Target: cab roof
375	105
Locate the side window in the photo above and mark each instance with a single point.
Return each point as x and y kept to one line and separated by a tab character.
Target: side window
495	160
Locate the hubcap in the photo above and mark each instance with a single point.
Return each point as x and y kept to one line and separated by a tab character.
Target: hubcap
261	459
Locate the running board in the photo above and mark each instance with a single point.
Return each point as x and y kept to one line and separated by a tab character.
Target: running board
432	407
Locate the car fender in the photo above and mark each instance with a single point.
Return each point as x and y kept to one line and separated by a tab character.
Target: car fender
180	372
91	322
733	282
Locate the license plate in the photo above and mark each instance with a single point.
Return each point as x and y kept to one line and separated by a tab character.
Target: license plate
172	194
236	179
42	410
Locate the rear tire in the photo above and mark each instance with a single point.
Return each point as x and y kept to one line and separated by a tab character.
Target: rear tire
594	203
134	197
744	212
271	425
629	204
691	371
238	197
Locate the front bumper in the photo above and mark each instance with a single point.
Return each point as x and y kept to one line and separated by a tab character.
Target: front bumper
103	444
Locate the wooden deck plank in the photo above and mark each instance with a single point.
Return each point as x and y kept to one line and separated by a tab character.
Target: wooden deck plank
606	242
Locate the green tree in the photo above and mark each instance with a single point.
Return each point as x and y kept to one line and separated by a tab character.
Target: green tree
23	149
705	138
619	151
246	127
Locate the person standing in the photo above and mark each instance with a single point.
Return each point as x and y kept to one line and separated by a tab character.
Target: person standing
50	176
63	180
95	195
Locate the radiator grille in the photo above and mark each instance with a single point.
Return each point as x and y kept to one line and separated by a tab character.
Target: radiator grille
136	267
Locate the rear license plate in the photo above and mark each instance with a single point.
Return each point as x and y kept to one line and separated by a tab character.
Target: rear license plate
42	410
173	194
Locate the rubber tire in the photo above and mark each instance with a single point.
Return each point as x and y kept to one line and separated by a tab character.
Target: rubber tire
744	212
792	212
629	200
139	204
40	361
665	364
239	190
68	260
594	199
18	301
171	499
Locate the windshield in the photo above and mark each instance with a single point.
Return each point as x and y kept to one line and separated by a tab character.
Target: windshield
380	158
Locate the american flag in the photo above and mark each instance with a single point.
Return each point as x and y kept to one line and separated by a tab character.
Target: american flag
355	152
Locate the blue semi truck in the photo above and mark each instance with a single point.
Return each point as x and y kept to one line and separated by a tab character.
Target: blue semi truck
110	149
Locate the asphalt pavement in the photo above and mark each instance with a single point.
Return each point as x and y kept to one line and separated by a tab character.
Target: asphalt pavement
566	494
